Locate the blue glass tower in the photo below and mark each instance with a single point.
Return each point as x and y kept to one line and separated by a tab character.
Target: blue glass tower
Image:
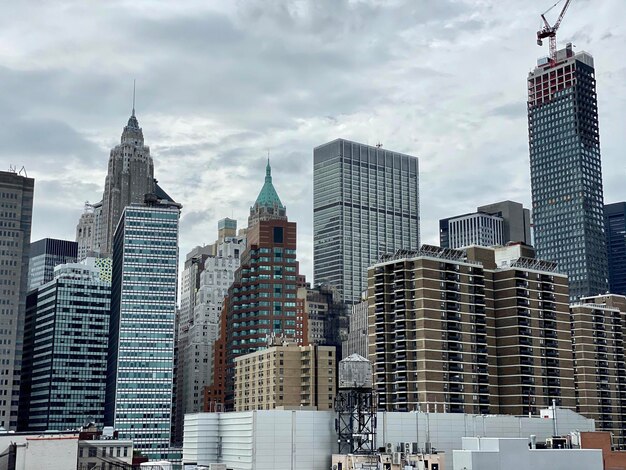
64	361
615	229
565	170
141	339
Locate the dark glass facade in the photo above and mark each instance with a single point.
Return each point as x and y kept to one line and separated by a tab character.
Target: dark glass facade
365	204
65	351
615	229
565	169
45	254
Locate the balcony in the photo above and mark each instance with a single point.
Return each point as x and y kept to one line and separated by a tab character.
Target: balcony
455	357
456	398
455	336
452	316
525	351
549	315
455	367
527	361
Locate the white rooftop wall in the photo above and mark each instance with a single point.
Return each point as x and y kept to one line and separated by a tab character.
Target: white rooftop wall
514	454
305	440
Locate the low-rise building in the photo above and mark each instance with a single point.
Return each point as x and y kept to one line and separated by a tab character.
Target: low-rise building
287	375
481	453
305	440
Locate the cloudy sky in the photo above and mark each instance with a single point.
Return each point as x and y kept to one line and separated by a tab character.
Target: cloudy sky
219	83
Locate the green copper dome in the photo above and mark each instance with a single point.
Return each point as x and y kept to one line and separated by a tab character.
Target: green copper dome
268	197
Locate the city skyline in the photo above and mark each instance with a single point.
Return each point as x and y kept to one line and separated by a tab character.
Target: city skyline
421	106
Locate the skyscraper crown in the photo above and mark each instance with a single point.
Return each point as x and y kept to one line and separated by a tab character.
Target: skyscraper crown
268	197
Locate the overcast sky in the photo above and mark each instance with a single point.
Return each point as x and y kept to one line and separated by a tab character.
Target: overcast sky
219	83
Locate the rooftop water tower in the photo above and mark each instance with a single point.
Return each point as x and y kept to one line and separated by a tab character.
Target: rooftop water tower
355	405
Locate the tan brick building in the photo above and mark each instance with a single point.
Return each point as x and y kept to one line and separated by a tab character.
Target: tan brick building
286	376
597	331
481	330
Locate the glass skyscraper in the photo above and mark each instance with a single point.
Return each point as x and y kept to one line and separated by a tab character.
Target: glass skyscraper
65	350
141	339
45	254
365	204
565	170
615	229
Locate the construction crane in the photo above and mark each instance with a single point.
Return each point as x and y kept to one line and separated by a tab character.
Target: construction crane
548	31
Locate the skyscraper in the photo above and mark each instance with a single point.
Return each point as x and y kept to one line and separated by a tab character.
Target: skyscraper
615	230
16	209
491	225
365	204
65	349
88	230
45	254
141	339
208	273
565	169
130	177
262	302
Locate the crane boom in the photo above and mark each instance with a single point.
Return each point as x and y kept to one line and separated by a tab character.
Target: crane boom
548	31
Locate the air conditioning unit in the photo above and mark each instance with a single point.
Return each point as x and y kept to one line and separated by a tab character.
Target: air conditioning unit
217	466
407	448
396	458
414	449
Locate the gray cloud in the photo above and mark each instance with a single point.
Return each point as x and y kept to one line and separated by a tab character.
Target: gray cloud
220	83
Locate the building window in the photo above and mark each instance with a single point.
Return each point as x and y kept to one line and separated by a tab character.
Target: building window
93	452
278	235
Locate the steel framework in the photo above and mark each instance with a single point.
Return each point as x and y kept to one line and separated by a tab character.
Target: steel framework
356	420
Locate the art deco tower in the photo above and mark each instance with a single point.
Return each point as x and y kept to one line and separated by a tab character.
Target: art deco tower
130	177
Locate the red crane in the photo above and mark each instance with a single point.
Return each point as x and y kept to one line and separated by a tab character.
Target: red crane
548	31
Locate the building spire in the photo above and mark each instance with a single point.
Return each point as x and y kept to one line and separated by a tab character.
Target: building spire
134	80
268	170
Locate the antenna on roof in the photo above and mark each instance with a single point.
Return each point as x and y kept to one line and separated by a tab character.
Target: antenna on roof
134	81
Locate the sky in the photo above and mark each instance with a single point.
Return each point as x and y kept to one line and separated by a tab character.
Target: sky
221	83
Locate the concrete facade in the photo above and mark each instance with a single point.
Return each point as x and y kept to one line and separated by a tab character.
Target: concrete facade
492	224
326	314
598	325
286	375
305	440
129	178
454	327
209	272
16	209
356	343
